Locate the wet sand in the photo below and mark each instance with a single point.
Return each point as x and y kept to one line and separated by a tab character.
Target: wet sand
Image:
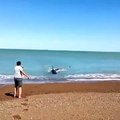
62	101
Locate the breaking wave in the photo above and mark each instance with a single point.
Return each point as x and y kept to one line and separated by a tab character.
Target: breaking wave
9	79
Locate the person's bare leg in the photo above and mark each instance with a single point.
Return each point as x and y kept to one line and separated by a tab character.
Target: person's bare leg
19	92
15	91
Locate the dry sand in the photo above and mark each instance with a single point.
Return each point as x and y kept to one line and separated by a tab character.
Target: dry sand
70	101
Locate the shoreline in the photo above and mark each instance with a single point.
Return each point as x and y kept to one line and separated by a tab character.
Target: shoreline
6	91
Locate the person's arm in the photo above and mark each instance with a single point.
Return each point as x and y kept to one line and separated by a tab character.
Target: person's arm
57	69
25	74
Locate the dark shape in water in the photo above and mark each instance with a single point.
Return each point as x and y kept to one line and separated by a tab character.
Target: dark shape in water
53	71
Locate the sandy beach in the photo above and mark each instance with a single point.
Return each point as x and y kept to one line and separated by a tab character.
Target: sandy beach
62	101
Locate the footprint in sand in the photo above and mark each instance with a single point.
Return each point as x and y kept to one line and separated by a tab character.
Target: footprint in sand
26	99
25	109
16	117
25	104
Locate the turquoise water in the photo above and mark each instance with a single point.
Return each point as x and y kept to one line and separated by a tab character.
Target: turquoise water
77	66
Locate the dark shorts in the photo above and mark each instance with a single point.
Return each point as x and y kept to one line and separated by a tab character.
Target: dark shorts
18	82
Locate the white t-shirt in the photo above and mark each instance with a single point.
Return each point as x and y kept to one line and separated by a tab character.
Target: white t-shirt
17	72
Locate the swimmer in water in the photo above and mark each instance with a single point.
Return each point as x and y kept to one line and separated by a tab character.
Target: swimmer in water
55	70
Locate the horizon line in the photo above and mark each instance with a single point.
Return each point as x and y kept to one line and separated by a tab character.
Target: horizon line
58	50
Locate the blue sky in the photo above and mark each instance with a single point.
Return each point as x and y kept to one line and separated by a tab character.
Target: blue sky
84	25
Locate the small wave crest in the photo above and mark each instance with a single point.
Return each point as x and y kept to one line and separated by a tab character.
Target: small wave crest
93	77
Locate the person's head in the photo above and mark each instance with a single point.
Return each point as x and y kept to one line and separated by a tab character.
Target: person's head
18	63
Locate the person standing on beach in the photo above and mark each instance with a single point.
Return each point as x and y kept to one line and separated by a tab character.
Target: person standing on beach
18	78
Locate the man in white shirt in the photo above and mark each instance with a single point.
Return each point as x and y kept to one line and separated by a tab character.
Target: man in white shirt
18	77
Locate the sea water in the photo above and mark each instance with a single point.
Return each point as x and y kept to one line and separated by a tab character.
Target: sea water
75	65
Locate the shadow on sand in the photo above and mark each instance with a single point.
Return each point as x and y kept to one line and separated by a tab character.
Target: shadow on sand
9	94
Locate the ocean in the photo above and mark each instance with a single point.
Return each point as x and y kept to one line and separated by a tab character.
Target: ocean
76	66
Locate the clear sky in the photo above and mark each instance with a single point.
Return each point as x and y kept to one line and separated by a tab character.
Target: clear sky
84	25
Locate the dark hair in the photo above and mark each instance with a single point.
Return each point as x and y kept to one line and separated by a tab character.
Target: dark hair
18	63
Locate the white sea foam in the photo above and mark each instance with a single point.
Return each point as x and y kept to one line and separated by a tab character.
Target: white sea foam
9	79
93	77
